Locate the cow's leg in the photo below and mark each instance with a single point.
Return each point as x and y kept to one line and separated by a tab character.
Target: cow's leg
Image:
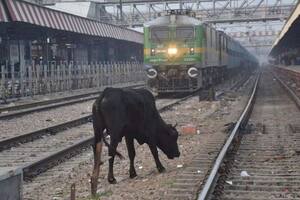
112	152
131	154
114	129
97	162
154	152
97	148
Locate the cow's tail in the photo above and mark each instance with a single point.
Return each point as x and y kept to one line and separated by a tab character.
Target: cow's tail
99	126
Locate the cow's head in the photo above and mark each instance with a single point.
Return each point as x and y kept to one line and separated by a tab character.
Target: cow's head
168	141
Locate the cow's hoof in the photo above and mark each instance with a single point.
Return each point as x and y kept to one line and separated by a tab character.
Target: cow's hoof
112	180
161	169
132	174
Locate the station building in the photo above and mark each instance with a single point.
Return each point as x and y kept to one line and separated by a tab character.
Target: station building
32	33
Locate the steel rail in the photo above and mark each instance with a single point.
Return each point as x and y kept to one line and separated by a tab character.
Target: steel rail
290	92
45	102
236	85
241	122
52	103
15	141
45	107
240	83
39	166
33	169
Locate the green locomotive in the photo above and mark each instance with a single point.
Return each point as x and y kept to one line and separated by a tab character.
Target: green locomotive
182	54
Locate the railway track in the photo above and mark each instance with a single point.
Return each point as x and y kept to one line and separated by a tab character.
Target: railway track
262	162
31	154
68	113
35	123
40	150
13	136
67	167
186	184
23	109
70	159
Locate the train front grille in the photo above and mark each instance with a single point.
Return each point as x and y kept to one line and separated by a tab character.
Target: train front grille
177	85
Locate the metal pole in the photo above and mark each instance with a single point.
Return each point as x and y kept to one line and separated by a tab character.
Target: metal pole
121	11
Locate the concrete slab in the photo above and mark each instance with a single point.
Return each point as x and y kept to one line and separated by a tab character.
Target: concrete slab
11	181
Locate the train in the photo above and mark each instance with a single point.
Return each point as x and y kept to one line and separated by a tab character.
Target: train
183	54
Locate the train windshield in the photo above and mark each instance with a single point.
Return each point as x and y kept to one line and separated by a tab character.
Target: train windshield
159	34
185	33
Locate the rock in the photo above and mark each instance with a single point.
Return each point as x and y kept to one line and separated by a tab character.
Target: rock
229	182
189	130
244	174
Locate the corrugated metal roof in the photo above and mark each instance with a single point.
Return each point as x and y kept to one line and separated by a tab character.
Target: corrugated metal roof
3	14
21	11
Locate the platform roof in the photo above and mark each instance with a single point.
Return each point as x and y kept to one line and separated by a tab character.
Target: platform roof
289	35
24	12
3	14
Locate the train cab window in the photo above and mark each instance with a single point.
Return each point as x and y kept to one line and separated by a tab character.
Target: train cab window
159	34
185	33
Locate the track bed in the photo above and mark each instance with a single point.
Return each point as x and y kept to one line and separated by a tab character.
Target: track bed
270	153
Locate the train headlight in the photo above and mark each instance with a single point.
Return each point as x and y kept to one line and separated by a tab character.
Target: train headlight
192	50
152	52
192	72
172	51
151	73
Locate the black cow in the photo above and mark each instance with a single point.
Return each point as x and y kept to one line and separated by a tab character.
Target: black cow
130	113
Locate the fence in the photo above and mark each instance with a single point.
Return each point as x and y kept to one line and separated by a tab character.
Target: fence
35	79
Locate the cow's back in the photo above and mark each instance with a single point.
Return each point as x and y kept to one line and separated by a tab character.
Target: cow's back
129	106
132	110
140	105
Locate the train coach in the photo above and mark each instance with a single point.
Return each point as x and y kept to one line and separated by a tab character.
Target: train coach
182	54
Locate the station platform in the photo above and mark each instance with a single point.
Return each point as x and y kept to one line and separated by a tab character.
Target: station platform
294	68
11	181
